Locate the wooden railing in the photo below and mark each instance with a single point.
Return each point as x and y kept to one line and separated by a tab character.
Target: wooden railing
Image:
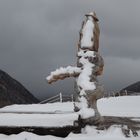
58	98
64	98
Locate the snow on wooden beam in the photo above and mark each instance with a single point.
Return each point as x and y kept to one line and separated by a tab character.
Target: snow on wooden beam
62	73
89	33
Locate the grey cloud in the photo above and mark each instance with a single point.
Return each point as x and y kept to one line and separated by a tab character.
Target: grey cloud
37	37
120	72
121	47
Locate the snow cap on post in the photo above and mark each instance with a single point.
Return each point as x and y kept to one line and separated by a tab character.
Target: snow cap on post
93	15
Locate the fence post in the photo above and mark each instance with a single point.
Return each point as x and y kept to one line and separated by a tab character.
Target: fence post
61	100
113	94
72	97
119	93
125	92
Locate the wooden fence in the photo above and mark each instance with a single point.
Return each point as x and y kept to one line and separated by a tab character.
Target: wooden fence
64	98
58	98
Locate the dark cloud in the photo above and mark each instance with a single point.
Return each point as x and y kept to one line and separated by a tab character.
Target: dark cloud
120	72
37	37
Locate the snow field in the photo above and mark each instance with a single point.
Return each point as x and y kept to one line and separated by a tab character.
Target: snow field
127	106
113	106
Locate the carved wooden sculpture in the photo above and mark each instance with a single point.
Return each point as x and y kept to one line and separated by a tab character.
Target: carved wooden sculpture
89	66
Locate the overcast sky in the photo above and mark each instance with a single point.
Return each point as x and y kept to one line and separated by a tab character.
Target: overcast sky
38	36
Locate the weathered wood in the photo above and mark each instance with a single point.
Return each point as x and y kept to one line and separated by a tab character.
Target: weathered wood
126	124
88	52
56	131
89	65
107	122
62	77
96	33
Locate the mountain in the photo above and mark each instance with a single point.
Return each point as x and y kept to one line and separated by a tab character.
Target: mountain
12	92
132	88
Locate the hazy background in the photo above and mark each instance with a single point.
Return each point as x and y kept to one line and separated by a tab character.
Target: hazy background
38	36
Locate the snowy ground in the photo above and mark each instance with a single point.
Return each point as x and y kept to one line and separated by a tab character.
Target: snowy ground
44	115
120	106
40	108
37	115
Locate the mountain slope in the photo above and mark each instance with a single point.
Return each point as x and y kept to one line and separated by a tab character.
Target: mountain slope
12	92
132	88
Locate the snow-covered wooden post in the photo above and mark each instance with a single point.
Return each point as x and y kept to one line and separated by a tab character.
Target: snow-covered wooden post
89	66
91	63
61	98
